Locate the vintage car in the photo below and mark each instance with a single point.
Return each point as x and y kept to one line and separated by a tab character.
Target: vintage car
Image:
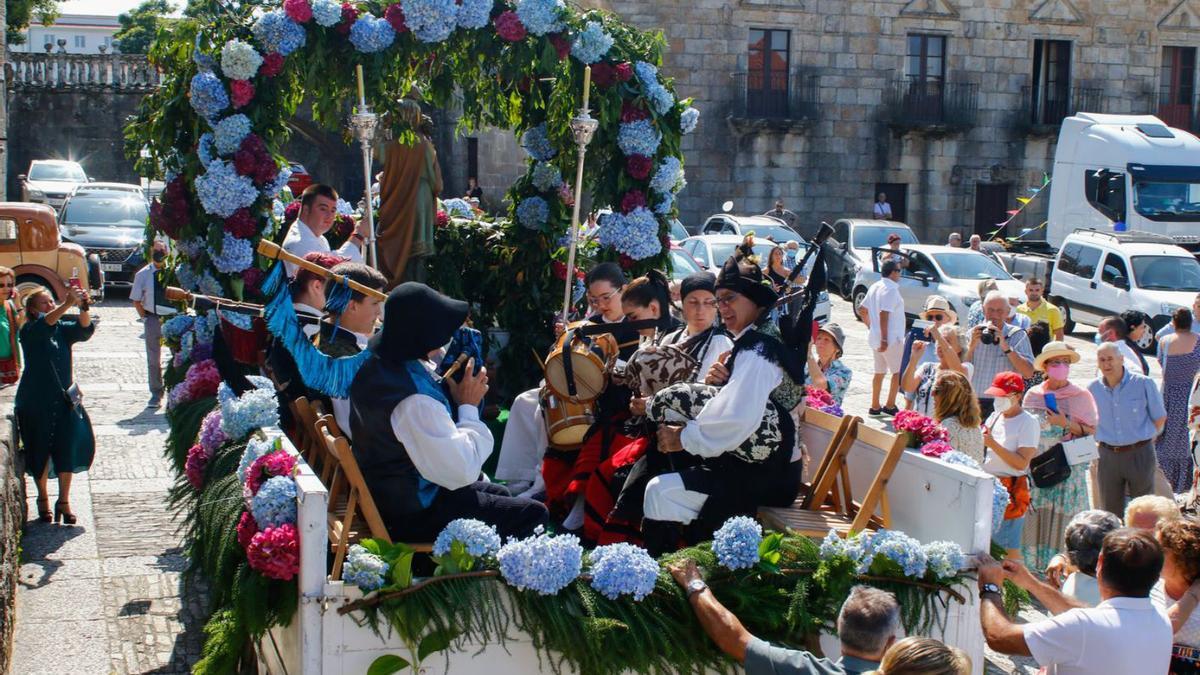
31	245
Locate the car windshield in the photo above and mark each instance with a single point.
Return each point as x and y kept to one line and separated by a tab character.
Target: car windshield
678	232
975	266
722	252
1167	201
776	233
682	264
63	172
112	211
875	236
1166	273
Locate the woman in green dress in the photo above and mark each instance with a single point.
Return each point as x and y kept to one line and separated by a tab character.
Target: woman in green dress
57	435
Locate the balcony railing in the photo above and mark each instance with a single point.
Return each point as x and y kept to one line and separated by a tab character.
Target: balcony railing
1178	115
916	103
70	71
1049	107
787	97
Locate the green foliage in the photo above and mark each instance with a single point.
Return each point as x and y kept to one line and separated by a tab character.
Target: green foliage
387	664
225	638
213	547
19	14
184	420
139	26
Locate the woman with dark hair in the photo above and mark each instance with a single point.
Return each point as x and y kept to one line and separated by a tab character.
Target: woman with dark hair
649	297
1181	362
1138	333
1084	537
776	270
55	432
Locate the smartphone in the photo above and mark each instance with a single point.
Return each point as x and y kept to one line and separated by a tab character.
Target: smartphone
1051	402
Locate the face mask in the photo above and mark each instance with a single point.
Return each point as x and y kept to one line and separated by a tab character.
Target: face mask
1002	404
158	256
1058	371
1097	339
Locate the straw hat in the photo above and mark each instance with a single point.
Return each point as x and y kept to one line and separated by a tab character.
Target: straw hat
936	303
1054	350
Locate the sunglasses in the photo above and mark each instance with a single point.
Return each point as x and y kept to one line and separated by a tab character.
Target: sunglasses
935	317
8	285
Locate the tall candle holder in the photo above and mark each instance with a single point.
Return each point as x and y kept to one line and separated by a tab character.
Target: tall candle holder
583	127
363	123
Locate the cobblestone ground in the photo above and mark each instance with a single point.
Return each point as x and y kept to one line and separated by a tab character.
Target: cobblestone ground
106	595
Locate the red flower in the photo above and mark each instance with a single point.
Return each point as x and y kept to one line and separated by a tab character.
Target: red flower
246	162
394	15
561	45
197	459
241	92
272	65
241	224
509	27
291	212
632	200
559	269
603	74
252	278
266	171
442	219
277	463
624	72
626	262
349	16
638	166
299	10
817	397
246	529
275	552
632	112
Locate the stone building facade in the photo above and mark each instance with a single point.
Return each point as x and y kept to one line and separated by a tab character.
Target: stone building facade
950	106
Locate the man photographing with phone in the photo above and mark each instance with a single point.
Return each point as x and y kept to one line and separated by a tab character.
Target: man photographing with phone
997	346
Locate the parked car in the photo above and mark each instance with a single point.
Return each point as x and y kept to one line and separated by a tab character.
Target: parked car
678	231
953	273
763	227
49	181
118	188
30	244
1099	274
110	224
682	264
848	250
712	250
299	180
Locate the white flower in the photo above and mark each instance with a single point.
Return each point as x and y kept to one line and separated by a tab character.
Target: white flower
239	60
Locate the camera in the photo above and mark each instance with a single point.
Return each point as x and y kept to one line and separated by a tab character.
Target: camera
988	336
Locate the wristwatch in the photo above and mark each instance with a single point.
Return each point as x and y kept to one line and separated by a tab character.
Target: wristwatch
1007	351
696	586
989	588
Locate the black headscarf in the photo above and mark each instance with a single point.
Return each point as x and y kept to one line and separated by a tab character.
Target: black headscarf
747	278
416	320
697	281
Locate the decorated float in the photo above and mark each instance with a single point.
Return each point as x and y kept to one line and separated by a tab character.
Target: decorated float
301	580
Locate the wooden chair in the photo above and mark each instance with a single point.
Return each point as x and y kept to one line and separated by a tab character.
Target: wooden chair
815	517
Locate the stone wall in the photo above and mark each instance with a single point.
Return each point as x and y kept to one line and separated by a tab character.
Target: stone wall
826	167
12	519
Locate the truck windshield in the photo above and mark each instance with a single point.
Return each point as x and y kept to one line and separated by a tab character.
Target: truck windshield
1166	273
64	172
113	212
970	266
876	236
1161	200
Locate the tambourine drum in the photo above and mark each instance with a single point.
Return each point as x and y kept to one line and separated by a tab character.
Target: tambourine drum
566	422
586	375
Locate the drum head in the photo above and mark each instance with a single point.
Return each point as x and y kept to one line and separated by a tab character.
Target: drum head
568	434
590	378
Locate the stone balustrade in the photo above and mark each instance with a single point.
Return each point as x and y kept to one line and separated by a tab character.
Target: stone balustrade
80	71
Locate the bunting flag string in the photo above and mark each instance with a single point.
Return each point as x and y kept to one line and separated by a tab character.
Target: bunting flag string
1013	213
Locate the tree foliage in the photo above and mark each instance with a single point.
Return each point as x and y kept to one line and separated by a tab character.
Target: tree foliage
139	25
21	13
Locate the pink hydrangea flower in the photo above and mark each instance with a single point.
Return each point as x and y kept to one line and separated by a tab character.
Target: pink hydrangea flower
275	552
818	398
241	92
197	460
298	10
246	529
202	380
278	463
936	448
509	27
272	65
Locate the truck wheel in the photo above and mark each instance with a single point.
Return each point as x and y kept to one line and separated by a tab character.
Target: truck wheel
28	283
860	294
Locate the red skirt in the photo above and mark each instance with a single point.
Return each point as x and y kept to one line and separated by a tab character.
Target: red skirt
566	473
600	525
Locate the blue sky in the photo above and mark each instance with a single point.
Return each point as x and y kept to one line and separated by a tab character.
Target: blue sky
104	7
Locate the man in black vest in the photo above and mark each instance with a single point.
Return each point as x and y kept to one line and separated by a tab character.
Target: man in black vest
422	468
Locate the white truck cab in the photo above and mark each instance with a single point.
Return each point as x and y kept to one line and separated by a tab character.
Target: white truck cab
1132	169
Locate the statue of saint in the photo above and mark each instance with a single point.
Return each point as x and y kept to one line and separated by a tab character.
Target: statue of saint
408	191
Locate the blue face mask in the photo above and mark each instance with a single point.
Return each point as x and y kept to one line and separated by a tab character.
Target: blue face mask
1097	339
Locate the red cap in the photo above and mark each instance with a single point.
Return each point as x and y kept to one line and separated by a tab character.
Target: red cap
1006	384
893	237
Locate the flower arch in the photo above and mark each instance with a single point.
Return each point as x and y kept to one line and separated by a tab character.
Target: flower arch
236	76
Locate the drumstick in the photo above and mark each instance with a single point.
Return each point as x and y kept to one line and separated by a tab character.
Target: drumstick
176	294
458	363
268	249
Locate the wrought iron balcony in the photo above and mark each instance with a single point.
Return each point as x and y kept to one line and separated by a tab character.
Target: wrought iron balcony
915	103
780	99
1045	109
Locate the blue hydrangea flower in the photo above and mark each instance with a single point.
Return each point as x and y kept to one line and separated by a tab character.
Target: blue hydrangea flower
861	550
239	60
478	537
1000	500
208	285
638	138
275	503
204	62
736	543
191	248
204	149
902	550
647	73
235	254
344	208
430	20
474	13
252	410
207	95
327	13
541	16
257	447
206	326
945	558
669	171
623	569
660	99
592	43
541	563
278	33
272	189
536	142
370	34
186	277
635	234
364	569
832	545
663	208
458	208
174	327
229	133
222	191
956	457
533	212
688	120
546	176
243	321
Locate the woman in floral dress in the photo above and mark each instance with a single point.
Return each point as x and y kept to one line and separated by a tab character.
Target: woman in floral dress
1052	508
1181	361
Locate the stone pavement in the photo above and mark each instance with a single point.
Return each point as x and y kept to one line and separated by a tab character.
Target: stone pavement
106	595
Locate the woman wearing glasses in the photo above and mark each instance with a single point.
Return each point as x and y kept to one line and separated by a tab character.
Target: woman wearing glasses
11	320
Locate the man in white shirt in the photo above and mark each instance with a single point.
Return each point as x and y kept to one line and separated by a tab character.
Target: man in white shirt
883	311
882	209
1124	634
346	333
318	208
142	295
422	466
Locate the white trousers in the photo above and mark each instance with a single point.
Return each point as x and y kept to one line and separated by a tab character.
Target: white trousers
667	499
524	444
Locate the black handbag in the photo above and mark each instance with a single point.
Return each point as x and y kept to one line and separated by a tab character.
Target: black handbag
73	394
1050	468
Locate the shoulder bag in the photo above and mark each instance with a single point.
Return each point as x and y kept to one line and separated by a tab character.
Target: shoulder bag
72	394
